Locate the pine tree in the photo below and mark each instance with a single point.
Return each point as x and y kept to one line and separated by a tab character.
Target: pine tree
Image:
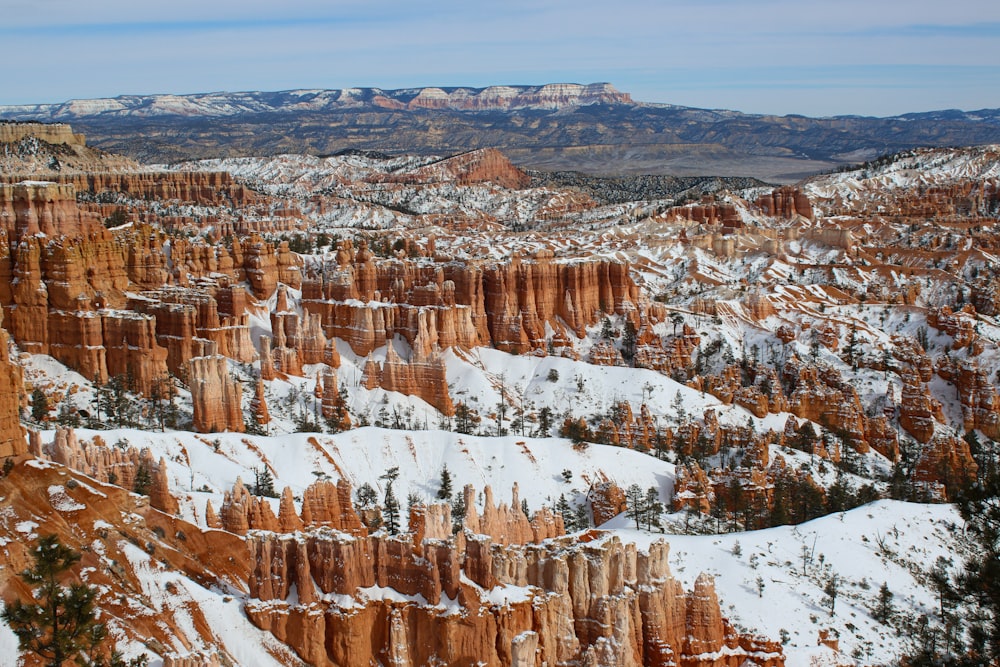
607	332
390	504
653	509
60	624
465	418
413	499
635	507
444	492
457	511
883	607
143	479
39	405
629	339
365	496
831	589
581	517
263	482
340	420
67	414
563	509
544	422
941	580
980	578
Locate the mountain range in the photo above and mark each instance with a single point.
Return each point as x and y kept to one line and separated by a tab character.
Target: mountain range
592	128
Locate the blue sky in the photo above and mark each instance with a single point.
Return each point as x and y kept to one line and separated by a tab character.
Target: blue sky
872	57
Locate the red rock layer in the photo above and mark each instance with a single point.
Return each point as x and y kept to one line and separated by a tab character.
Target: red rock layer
34	207
467	304
118	464
324	504
478	166
607	501
12	442
422	377
598	602
786	202
215	395
508	524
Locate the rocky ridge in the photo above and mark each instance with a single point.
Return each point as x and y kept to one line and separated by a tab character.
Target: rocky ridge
589	128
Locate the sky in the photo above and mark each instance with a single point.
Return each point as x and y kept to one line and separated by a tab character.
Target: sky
811	57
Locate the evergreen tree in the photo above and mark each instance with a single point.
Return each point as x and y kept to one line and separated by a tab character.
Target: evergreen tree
263	482
413	500
980	578
607	332
143	479
67	414
444	492
457	511
563	509
851	351
340	420
465	418
365	496
113	398
39	404
883	607
60	623
832	589
653	509
941	581
635	507
544	422
390	504
629	338
581	517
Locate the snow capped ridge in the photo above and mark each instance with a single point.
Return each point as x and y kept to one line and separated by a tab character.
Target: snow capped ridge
549	96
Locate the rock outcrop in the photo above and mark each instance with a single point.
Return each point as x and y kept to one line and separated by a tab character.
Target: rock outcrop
786	202
122	463
12	441
598	602
216	396
422	377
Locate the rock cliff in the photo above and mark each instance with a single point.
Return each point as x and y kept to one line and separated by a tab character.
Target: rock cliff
595	602
216	396
12	441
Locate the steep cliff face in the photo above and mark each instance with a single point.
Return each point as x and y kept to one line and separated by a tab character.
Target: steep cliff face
466	304
52	133
12	442
421	376
39	207
469	601
479	166
215	395
786	202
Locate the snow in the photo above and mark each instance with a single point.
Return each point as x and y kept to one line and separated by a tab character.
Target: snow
887	541
61	502
231	629
503	596
363	455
